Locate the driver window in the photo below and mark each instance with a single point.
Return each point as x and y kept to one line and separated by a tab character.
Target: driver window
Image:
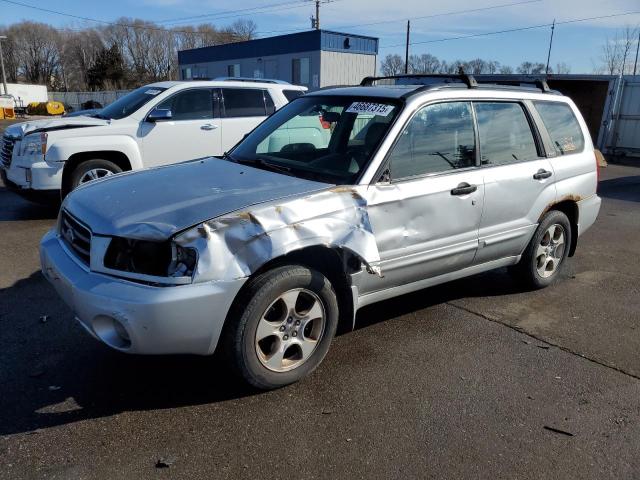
193	104
438	138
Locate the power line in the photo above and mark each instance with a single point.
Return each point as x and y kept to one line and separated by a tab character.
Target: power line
134	26
435	15
520	29
225	12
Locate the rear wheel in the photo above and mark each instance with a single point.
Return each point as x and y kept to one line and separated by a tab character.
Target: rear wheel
547	251
281	327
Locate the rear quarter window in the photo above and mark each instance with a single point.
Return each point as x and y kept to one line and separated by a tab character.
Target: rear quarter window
562	125
292	94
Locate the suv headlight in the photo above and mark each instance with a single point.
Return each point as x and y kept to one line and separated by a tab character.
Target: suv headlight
34	144
157	259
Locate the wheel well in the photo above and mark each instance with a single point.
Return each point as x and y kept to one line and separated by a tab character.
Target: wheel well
76	159
570	209
333	263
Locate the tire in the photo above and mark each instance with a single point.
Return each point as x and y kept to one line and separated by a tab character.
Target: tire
99	166
266	344
544	257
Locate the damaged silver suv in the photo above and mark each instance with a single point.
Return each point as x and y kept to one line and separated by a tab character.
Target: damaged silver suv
268	250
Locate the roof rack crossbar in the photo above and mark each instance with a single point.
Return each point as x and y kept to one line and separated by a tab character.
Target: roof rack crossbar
468	80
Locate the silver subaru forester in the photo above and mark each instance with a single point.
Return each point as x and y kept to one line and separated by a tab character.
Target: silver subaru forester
391	187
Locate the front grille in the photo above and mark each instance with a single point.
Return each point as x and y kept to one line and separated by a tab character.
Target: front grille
76	236
7	150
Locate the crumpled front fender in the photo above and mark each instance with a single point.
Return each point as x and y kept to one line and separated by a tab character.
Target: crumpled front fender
238	244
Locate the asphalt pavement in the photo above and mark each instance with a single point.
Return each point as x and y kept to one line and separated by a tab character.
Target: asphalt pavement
473	379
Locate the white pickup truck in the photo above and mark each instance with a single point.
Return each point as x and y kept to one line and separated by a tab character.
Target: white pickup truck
157	124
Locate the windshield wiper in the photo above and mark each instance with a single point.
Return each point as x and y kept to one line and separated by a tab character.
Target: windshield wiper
257	162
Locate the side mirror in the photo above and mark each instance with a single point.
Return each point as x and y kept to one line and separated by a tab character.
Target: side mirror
159	115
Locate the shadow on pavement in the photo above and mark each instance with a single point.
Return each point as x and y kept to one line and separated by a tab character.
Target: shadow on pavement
622	188
15	207
53	373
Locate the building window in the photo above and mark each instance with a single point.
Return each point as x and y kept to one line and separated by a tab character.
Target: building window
233	70
186	74
300	74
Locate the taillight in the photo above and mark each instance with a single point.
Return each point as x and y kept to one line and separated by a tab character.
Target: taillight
597	155
325	125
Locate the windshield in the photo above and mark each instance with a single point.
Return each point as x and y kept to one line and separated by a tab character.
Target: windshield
331	139
128	104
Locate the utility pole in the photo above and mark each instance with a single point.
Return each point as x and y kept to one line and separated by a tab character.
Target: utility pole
553	27
317	22
635	65
406	52
4	76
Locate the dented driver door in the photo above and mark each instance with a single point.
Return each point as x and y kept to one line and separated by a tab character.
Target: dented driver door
426	217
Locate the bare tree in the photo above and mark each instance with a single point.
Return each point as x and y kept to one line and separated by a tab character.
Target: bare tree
506	69
425	63
563	68
532	68
393	64
616	52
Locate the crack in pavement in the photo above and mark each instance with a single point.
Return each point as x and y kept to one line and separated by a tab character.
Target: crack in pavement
548	342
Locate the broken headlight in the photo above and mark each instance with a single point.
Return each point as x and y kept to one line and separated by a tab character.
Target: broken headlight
158	259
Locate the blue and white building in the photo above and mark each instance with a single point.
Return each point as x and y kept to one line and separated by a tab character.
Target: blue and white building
316	59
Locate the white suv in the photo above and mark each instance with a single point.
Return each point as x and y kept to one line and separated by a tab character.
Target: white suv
157	124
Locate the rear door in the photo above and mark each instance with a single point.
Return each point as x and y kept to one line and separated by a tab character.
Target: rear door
518	178
426	218
242	109
192	132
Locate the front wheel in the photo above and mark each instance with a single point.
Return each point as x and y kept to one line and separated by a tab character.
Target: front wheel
547	251
89	171
281	326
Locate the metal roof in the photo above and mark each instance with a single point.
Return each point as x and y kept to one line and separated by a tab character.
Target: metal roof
312	40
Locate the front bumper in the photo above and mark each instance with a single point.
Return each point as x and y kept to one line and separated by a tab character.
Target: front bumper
34	176
138	318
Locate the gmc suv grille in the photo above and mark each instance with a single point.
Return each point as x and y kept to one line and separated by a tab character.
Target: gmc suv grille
76	236
6	151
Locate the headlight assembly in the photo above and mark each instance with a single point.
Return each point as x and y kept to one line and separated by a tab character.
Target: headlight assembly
34	144
158	259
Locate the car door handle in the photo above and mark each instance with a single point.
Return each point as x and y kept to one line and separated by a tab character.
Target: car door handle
464	189
542	173
208	126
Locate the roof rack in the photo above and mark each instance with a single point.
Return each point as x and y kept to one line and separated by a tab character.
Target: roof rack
248	79
422	79
428	81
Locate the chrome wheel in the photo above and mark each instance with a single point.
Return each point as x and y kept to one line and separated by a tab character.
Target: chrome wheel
550	251
94	174
290	330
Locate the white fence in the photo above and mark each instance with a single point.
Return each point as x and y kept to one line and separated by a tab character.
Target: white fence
76	99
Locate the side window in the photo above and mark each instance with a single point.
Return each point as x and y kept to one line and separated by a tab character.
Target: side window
438	138
505	133
193	104
243	102
562	125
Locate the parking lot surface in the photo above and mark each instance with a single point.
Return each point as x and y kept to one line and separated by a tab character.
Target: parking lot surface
476	378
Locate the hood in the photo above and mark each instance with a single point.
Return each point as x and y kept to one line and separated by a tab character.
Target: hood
22	129
158	203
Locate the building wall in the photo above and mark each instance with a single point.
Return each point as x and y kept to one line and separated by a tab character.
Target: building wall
279	67
339	68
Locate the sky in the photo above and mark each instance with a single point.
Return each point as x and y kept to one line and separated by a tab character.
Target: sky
577	44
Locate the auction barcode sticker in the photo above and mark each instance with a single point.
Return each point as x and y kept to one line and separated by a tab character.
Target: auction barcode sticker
380	109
